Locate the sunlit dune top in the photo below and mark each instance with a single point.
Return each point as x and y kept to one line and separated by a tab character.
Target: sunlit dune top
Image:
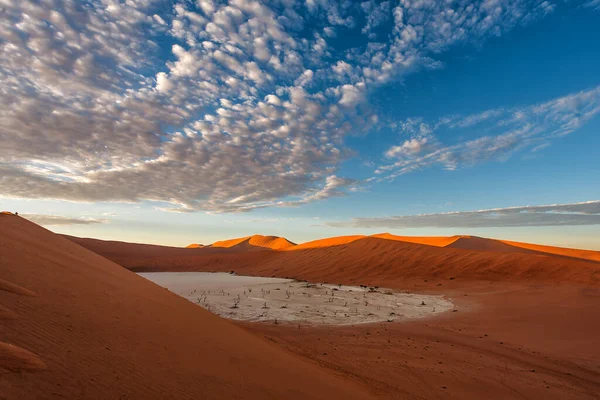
194	246
563	251
271	242
333	241
439	241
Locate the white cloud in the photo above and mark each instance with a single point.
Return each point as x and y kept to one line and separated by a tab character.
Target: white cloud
47	220
163	84
252	104
507	131
586	213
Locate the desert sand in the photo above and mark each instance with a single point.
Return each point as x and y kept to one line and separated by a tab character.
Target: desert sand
526	324
77	326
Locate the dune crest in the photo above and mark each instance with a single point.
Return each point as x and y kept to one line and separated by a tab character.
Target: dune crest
260	241
328	242
553	250
194	246
438	241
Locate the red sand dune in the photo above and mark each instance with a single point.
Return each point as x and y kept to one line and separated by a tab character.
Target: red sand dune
483	244
328	242
380	261
255	242
439	241
194	246
562	251
365	260
94	330
525	324
464	242
493	245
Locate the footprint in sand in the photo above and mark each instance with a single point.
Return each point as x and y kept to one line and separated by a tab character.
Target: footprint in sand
16	359
16	289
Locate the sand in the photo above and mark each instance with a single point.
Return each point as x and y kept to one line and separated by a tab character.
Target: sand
276	300
526	324
93	330
514	342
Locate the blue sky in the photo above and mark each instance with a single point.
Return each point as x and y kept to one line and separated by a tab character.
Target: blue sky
191	121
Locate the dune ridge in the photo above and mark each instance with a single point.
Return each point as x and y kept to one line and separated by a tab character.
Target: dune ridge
97	331
438	241
553	250
258	241
195	246
328	242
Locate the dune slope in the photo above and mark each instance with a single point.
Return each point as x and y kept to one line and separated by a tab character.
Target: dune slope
81	326
484	244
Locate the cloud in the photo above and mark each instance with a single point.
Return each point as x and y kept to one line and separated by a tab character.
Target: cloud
45	220
214	106
586	213
507	131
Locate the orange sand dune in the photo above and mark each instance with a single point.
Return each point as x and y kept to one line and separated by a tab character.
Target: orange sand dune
380	261
493	245
439	241
525	325
371	260
483	244
94	330
255	241
328	242
575	253
194	246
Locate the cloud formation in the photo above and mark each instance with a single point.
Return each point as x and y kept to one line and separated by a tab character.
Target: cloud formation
45	220
506	131
208	105
586	213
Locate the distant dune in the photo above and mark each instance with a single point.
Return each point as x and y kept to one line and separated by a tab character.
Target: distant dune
368	259
255	242
483	244
575	253
194	246
328	242
438	241
75	325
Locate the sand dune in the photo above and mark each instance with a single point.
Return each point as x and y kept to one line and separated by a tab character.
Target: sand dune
377	261
526	324
483	244
438	241
328	242
475	243
373	260
562	251
194	246
255	242
94	330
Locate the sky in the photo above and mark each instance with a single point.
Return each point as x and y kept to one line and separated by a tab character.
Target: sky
190	121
